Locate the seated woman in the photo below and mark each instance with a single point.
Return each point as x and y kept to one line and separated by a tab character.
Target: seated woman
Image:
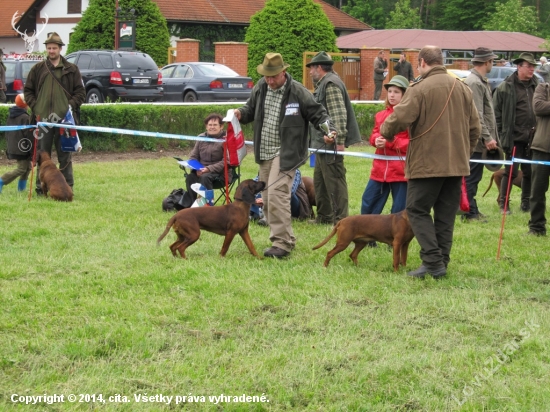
210	155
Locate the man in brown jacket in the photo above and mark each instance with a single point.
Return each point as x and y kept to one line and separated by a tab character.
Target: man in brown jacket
51	87
444	128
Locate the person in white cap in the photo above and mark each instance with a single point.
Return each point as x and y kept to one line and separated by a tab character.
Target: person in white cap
544	69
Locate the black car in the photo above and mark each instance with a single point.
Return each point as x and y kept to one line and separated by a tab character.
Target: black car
206	82
16	75
124	75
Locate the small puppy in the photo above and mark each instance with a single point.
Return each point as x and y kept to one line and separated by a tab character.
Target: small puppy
395	230
497	178
52	180
226	220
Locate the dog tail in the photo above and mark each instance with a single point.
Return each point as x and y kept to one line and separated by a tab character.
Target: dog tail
324	242
490	185
168	227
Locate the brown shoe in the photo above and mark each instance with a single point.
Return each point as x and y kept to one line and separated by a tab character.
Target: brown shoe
276	252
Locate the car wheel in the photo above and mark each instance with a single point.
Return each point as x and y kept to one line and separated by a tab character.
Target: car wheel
190	97
94	96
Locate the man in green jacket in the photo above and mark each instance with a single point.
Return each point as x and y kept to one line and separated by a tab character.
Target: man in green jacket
52	86
331	188
541	151
281	109
444	128
516	121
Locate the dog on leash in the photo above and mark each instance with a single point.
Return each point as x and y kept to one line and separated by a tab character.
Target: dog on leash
52	180
226	220
394	230
497	178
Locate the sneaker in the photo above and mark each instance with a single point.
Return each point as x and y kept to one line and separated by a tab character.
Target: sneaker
422	271
524	207
276	252
262	221
508	211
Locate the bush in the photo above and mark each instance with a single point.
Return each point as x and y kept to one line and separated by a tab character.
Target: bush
181	120
289	27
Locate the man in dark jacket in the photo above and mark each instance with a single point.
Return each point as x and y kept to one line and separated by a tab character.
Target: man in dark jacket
51	87
281	109
20	146
404	68
513	103
380	72
3	87
331	189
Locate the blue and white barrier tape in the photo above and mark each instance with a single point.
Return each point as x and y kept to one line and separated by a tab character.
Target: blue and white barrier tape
208	139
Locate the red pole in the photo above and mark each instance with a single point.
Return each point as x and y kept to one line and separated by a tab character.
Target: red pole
506	203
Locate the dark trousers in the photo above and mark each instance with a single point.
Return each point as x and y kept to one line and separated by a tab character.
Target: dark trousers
539	186
331	188
521	153
47	138
206	179
472	182
378	89
376	195
435	236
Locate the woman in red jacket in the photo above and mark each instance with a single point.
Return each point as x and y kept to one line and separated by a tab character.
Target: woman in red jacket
387	175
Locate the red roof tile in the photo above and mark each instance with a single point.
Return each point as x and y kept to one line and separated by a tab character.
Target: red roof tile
450	40
8	8
240	11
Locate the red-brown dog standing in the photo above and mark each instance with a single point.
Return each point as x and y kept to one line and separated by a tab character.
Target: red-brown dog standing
394	230
52	180
227	220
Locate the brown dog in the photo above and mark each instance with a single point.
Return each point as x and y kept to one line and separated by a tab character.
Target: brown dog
394	229
52	180
310	190
497	178
226	220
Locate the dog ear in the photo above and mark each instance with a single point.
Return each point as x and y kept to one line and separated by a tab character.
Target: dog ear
248	196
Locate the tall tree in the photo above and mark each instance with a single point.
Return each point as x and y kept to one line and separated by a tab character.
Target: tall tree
289	27
404	16
97	27
368	11
462	15
512	16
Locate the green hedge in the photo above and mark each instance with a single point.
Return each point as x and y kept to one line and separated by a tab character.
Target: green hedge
173	119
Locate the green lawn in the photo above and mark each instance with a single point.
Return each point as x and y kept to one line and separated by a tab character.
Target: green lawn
90	305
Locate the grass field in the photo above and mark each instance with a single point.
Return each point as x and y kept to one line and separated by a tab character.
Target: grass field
90	306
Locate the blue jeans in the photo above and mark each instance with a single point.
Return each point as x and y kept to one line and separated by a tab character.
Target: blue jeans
376	195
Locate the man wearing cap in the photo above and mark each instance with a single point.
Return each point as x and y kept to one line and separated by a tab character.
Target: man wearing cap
540	149
52	86
513	104
3	87
281	109
331	189
444	128
544	70
483	63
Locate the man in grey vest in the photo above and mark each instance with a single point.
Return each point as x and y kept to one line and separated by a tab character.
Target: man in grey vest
331	189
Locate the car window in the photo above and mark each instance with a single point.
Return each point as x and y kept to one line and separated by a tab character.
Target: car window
181	72
167	72
71	58
26	68
493	73
216	70
106	61
134	61
10	70
84	61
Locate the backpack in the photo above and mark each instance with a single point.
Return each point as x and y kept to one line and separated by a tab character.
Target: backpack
177	200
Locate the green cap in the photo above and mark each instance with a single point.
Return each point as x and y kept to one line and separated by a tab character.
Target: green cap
321	58
398	81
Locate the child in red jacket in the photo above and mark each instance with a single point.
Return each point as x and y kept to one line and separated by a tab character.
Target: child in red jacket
387	175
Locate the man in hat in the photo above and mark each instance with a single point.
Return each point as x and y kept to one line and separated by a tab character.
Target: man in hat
404	68
52	86
281	109
544	70
540	149
477	81
380	72
444	128
513	103
331	189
